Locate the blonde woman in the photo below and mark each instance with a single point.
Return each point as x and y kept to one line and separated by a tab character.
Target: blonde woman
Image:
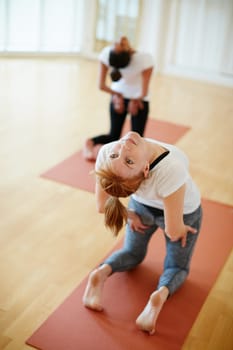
162	194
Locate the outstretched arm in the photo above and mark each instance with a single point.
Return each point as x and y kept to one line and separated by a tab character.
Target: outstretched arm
117	100
103	71
175	228
146	76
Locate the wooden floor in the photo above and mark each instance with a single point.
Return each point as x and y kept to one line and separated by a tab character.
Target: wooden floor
50	234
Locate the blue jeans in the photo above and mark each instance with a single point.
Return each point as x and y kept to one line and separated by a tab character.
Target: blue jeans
177	259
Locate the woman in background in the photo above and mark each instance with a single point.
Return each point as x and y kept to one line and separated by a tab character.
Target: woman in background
130	72
162	194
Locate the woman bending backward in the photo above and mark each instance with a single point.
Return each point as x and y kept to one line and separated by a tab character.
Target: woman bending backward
162	194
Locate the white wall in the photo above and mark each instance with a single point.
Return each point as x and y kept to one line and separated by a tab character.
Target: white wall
191	38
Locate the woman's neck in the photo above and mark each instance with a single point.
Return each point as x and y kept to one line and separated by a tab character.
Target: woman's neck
154	151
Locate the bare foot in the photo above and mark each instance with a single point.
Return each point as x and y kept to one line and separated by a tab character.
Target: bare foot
93	291
147	319
88	151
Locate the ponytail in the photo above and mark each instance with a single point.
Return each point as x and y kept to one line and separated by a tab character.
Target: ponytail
116	214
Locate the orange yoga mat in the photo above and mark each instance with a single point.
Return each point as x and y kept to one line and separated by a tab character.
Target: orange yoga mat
73	327
75	170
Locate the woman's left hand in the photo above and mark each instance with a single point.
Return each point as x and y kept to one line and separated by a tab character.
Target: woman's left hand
183	237
134	106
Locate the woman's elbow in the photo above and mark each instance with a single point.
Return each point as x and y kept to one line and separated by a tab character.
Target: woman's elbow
100	86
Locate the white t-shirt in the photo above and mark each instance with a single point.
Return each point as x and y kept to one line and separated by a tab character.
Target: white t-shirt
164	179
130	84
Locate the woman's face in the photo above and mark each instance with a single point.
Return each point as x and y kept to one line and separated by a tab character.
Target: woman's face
122	44
127	156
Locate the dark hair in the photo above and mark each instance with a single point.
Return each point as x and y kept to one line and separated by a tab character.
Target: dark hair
118	60
115	74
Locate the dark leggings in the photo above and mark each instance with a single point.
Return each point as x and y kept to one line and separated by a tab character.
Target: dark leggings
138	123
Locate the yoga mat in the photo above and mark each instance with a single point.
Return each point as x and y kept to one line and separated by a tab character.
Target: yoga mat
72	326
75	170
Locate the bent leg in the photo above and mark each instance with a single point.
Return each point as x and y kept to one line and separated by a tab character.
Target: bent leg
133	251
117	121
116	124
176	268
178	258
138	122
135	243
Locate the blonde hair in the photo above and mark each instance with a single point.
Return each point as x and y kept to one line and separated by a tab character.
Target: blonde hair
115	213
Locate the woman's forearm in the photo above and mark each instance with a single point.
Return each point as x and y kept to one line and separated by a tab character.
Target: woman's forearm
146	76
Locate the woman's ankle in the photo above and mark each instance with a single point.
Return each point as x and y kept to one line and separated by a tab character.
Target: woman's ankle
105	270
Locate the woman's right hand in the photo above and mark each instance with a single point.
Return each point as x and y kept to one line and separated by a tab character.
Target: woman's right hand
135	222
118	103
